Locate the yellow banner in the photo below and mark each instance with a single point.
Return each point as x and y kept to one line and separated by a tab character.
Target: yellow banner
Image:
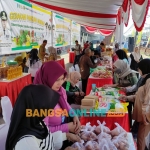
139	38
41	9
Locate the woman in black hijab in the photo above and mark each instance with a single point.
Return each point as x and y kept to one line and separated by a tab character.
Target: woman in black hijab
141	99
30	133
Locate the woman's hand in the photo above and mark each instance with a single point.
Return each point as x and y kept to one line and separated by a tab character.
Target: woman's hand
123	97
72	128
123	89
77	93
73	137
144	120
76	122
82	93
106	86
71	148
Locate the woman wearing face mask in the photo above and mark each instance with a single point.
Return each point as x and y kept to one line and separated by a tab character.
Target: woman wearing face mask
136	57
141	99
30	133
76	95
52	75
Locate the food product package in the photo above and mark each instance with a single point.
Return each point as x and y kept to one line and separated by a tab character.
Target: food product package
91	97
117	131
88	136
88	127
78	145
106	144
102	128
87	108
88	102
92	145
104	106
121	141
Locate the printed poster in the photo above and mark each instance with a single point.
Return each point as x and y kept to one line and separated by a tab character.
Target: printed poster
61	31
23	26
75	32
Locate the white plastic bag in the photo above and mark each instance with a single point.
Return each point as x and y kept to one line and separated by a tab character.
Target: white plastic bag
106	144
103	135
88	127
99	129
118	130
121	141
92	145
78	145
87	135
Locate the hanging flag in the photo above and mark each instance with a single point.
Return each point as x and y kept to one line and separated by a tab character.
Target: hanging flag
133	33
112	39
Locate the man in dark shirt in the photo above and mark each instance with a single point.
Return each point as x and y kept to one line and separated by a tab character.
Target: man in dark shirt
85	64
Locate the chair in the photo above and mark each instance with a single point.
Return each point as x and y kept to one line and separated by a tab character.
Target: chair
6	113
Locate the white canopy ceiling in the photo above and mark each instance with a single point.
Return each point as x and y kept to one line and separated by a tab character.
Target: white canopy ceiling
101	14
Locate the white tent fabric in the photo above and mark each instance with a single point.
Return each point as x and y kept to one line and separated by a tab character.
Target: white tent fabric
6	112
99	14
139	13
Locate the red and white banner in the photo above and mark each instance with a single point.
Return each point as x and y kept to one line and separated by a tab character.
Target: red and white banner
139	13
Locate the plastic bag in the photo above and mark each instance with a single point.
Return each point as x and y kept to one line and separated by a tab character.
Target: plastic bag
78	145
88	136
106	144
121	141
117	130
92	145
88	127
147	141
103	135
98	129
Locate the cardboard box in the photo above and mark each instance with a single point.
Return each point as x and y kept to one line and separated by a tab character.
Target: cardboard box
88	102
91	97
88	108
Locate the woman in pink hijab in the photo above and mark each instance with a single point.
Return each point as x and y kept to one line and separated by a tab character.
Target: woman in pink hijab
52	75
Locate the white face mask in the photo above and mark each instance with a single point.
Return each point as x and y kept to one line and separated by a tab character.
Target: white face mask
95	61
118	71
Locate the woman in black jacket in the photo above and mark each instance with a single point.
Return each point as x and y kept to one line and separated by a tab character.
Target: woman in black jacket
136	57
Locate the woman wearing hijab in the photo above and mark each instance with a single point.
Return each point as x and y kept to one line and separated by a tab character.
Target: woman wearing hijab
141	99
126	76
52	75
34	63
76	95
136	57
30	133
53	53
122	55
119	54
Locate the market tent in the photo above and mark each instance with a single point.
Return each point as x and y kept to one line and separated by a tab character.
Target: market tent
103	16
97	14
